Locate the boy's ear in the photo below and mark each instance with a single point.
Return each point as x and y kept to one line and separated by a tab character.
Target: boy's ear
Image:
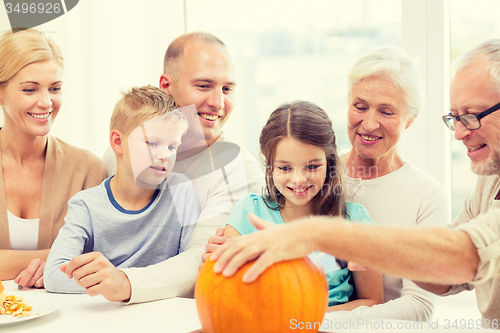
116	140
166	83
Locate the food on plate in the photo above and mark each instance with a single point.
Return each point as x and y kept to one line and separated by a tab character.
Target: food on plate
2	295
13	305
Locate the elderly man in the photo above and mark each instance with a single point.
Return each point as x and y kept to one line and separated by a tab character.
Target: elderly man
441	259
199	74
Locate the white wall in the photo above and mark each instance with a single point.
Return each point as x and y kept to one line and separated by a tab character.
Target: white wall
113	45
426	37
108	46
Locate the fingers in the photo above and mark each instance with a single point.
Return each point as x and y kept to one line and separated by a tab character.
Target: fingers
215	254
89	277
94	272
16	280
259	223
234	254
31	275
85	274
39	283
276	243
216	240
80	261
219	232
213	243
208	251
356	267
111	283
209	248
205	256
258	267
237	261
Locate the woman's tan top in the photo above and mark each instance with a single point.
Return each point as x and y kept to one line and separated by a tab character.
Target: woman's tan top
67	171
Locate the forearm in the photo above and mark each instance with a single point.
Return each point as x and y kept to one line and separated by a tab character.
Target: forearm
175	276
351	305
434	287
401	252
54	279
403	308
414	304
14	261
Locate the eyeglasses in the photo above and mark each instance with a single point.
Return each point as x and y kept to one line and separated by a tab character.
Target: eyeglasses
469	120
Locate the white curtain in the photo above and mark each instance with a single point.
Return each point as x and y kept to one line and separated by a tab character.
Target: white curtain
108	46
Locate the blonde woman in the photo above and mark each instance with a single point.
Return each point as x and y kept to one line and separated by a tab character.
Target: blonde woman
39	173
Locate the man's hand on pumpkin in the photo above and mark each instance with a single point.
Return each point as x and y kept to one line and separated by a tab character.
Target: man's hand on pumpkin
271	244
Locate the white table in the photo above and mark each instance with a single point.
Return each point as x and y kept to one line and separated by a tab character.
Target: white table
334	322
82	313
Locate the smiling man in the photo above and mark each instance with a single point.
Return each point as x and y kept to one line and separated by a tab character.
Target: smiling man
444	260
199	74
198	70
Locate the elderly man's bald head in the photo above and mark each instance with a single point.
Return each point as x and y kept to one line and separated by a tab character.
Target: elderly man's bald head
175	50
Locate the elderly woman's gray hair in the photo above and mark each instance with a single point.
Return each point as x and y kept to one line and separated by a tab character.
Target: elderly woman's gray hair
394	64
489	51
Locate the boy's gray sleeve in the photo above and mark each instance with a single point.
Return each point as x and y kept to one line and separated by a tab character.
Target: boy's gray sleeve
189	209
74	238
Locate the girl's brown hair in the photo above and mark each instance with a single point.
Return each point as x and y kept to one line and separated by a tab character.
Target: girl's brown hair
307	123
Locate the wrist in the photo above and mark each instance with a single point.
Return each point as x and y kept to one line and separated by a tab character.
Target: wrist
127	288
325	235
319	231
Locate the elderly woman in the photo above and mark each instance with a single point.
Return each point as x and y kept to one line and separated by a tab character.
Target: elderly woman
385	96
40	173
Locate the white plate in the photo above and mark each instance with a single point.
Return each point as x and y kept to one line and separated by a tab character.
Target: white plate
41	304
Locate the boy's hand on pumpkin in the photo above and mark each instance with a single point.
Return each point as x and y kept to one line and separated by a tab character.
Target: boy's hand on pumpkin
214	242
271	244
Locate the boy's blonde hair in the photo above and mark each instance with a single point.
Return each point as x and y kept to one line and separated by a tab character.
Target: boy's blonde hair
142	104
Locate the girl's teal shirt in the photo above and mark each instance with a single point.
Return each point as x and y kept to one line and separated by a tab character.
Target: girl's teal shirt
340	282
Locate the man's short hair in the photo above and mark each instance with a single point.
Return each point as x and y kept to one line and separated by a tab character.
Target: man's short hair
176	49
142	104
489	51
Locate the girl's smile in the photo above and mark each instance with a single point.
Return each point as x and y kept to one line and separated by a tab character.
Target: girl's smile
299	191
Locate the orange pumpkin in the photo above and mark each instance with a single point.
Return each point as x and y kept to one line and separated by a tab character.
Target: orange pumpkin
288	296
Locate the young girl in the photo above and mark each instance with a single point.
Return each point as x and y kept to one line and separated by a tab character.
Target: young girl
303	178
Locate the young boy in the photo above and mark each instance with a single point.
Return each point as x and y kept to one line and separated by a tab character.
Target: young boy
143	214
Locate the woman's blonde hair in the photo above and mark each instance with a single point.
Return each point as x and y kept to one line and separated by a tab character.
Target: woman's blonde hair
21	48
